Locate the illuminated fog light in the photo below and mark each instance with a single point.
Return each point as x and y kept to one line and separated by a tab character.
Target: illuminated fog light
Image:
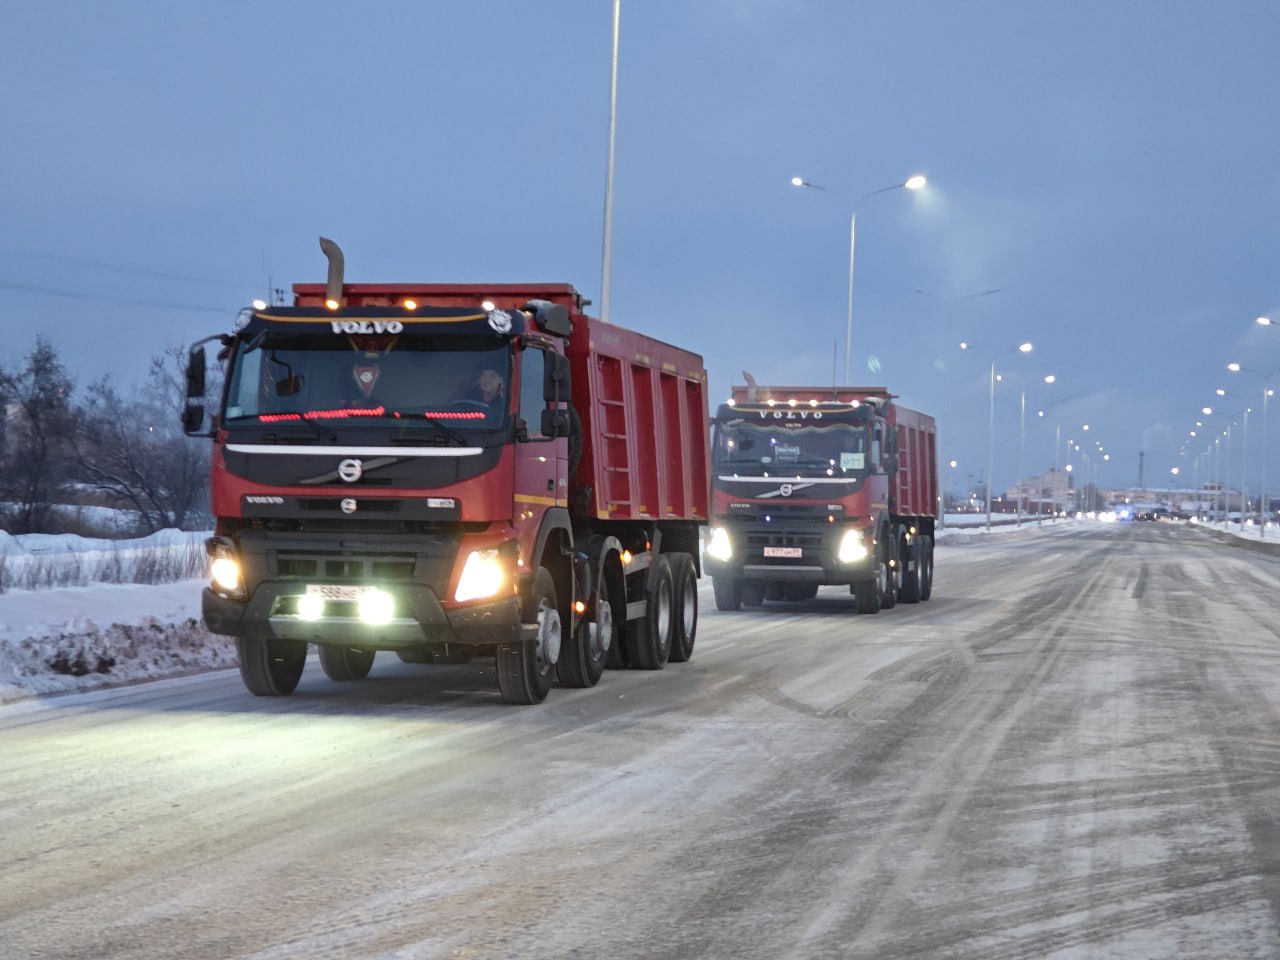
488	306
332	304
852	549
719	546
376	606
225	573
310	606
481	576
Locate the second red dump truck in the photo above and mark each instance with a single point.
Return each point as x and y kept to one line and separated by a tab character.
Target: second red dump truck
814	486
448	471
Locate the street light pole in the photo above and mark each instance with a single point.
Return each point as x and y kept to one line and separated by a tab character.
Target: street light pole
1264	508
606	265
991	420
911	183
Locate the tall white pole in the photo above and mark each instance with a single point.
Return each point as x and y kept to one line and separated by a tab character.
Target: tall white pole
1244	470
848	326
1022	436
606	265
991	438
1262	506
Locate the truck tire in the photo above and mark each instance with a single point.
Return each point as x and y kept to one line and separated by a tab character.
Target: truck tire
648	638
868	593
271	668
525	670
728	593
345	663
910	553
926	567
684	627
584	655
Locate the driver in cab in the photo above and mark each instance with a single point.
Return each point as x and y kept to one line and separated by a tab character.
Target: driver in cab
488	390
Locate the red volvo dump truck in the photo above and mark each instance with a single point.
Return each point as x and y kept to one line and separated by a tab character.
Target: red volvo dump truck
814	486
449	471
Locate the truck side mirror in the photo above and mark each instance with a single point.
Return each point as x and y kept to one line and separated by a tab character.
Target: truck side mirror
555	423
195	375
193	419
555	378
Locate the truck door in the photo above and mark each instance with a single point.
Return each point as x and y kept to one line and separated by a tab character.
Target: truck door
541	472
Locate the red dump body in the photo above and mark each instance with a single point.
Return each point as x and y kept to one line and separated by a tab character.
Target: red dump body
643	405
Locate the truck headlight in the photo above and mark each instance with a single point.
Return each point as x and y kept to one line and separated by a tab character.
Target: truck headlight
482	576
225	573
376	606
852	548
718	546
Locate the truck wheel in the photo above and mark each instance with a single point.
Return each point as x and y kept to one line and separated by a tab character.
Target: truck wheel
868	593
926	567
728	593
910	554
684	629
648	639
345	663
271	668
582	660
525	670
752	594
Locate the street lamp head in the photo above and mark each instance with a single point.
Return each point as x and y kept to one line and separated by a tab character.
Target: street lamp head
798	182
964	345
1265	321
1050	378
1233	367
1220	392
1207	411
915	183
1025	347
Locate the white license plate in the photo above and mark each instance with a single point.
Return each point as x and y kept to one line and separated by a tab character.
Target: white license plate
791	552
335	591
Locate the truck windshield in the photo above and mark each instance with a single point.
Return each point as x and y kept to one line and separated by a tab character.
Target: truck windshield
283	376
829	450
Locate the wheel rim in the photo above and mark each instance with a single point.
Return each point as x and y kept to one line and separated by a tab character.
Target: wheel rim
688	615
663	613
548	634
601	630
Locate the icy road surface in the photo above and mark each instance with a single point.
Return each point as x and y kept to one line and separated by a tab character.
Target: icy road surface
1071	751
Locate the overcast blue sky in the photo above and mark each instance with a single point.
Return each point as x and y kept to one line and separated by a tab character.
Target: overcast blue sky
1110	167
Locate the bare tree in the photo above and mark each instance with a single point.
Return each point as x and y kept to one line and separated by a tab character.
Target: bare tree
133	448
35	402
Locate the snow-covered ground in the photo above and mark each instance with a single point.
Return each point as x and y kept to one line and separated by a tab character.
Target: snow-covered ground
96	634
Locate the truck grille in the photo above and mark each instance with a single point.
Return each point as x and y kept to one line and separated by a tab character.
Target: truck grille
380	569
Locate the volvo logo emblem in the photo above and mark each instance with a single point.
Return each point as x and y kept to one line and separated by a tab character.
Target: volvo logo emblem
348	505
350	470
785	489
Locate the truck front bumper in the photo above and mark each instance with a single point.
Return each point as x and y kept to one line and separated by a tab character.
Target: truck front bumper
420	618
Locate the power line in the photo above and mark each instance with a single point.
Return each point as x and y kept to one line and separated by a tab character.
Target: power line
99	298
119	268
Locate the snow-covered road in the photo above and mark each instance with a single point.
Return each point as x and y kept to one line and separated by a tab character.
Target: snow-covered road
1066	753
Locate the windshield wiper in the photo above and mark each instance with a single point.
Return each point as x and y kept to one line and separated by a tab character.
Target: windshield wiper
451	435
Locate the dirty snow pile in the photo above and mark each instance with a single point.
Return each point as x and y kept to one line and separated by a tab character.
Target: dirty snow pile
70	638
